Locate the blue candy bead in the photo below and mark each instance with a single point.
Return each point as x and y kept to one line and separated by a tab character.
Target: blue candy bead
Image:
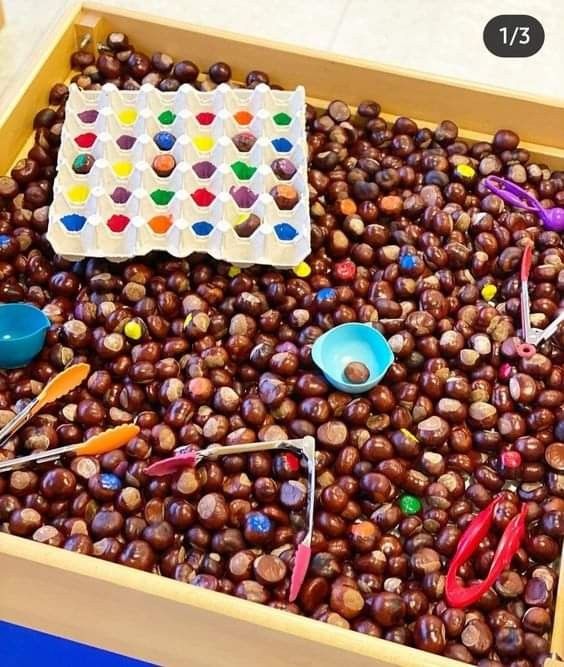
110	481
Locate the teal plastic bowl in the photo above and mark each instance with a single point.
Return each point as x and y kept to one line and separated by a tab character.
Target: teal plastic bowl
353	341
23	328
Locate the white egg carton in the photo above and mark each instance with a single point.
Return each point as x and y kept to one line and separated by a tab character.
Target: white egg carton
136	114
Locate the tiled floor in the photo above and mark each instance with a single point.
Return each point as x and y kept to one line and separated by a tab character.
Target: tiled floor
434	36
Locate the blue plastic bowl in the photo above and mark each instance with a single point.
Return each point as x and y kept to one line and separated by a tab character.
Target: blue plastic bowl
353	341
23	328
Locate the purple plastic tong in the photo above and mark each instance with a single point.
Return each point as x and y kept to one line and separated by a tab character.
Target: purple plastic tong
552	218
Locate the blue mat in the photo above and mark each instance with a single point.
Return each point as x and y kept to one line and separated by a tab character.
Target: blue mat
22	647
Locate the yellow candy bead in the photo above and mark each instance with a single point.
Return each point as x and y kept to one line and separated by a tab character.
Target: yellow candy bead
188	319
122	169
303	270
133	330
78	194
127	116
203	143
408	434
233	271
488	292
466	171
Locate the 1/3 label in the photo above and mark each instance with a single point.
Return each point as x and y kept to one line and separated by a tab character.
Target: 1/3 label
513	35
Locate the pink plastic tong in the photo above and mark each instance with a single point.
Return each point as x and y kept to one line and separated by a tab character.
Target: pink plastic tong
300	446
552	218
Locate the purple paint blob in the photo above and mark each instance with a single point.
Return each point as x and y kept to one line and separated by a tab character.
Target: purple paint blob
125	142
204	169
243	196
120	195
88	116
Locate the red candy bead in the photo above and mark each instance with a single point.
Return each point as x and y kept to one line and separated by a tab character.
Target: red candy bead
85	140
345	270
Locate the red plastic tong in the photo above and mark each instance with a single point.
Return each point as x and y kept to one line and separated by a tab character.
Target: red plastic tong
460	596
304	446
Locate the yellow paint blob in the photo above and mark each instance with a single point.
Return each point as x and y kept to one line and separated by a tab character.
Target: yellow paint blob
78	194
127	116
488	292
122	169
466	171
303	270
408	434
204	143
233	271
133	330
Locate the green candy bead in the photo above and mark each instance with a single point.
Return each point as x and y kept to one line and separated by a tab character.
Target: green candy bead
410	504
167	117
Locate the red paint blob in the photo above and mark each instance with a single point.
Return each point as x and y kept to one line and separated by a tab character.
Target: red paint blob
205	118
292	461
117	223
85	140
203	197
345	270
510	459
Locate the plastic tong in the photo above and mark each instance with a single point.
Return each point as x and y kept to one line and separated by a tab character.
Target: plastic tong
552	218
463	596
301	446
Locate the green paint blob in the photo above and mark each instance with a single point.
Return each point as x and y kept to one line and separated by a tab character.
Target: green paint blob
162	197
243	171
282	118
410	504
167	117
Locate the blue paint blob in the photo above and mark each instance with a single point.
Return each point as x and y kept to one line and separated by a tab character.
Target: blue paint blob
202	228
258	523
110	481
164	140
285	232
73	222
4	240
282	145
407	262
326	294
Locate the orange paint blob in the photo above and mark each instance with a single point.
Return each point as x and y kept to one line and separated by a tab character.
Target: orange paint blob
243	117
160	223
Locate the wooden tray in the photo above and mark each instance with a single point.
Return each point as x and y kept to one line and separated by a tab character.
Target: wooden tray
151	617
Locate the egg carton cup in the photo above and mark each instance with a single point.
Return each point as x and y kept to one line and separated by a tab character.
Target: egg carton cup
198	207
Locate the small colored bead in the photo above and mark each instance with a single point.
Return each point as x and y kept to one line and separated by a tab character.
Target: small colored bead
326	294
133	330
511	459
164	165
167	117
410	504
465	171
345	270
110	481
302	270
83	163
233	271
164	140
127	116
407	262
488	292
